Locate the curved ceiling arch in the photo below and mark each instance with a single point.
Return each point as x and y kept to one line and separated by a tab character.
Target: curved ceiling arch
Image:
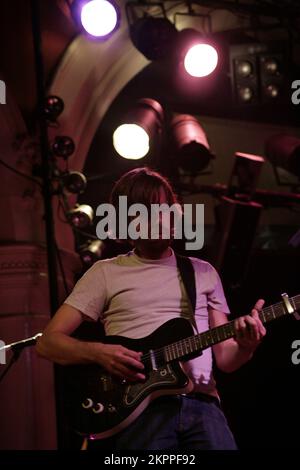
88	79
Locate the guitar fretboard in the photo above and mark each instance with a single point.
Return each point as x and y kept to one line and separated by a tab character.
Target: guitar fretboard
201	341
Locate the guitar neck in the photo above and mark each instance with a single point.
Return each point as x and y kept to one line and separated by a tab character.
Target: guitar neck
196	344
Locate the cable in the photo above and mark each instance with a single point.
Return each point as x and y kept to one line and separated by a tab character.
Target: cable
85	234
12	360
14	170
61	267
61	206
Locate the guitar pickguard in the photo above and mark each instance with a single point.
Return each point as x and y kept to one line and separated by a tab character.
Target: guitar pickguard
101	404
164	376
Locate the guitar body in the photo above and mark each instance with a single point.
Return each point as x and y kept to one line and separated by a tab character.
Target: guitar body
99	405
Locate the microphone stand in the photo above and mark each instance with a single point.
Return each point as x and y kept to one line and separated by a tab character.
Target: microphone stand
17	348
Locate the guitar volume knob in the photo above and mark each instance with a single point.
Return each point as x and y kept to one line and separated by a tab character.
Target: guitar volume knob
98	408
88	403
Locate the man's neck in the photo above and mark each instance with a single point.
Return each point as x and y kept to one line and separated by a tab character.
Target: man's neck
149	253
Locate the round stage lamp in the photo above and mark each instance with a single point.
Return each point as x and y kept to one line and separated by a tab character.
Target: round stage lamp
198	54
142	125
283	151
63	146
53	107
201	60
92	251
244	69
131	141
192	151
245	94
97	18
81	216
153	37
74	182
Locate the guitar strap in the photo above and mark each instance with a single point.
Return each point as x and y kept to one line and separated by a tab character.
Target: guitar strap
187	274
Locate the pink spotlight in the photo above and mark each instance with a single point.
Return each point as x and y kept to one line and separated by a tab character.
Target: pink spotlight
99	18
201	60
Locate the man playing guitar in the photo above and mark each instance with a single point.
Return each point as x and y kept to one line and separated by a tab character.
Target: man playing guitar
134	295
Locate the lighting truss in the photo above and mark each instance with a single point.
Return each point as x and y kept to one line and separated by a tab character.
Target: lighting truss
269	8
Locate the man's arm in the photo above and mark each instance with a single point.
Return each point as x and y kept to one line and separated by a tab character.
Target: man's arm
234	352
57	345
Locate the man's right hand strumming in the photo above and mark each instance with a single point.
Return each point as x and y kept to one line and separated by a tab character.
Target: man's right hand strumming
120	361
57	345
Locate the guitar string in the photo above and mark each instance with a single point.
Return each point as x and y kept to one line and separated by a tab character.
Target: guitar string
184	341
160	351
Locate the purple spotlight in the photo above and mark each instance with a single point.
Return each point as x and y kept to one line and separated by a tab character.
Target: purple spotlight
98	18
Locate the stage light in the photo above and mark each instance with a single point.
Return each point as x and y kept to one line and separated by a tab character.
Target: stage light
74	181
245	93
244	68
245	175
63	146
272	91
272	67
283	151
244	73
97	18
201	60
81	216
257	72
133	138
92	251
54	106
153	37
192	150
131	141
197	53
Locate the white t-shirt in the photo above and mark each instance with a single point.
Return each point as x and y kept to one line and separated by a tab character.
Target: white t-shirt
133	296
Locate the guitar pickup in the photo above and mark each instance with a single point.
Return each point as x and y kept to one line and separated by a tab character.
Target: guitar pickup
153	360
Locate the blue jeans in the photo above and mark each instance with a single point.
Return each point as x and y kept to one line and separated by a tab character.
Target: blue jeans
174	423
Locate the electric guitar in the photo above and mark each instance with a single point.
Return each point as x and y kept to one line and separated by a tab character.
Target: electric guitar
99	405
